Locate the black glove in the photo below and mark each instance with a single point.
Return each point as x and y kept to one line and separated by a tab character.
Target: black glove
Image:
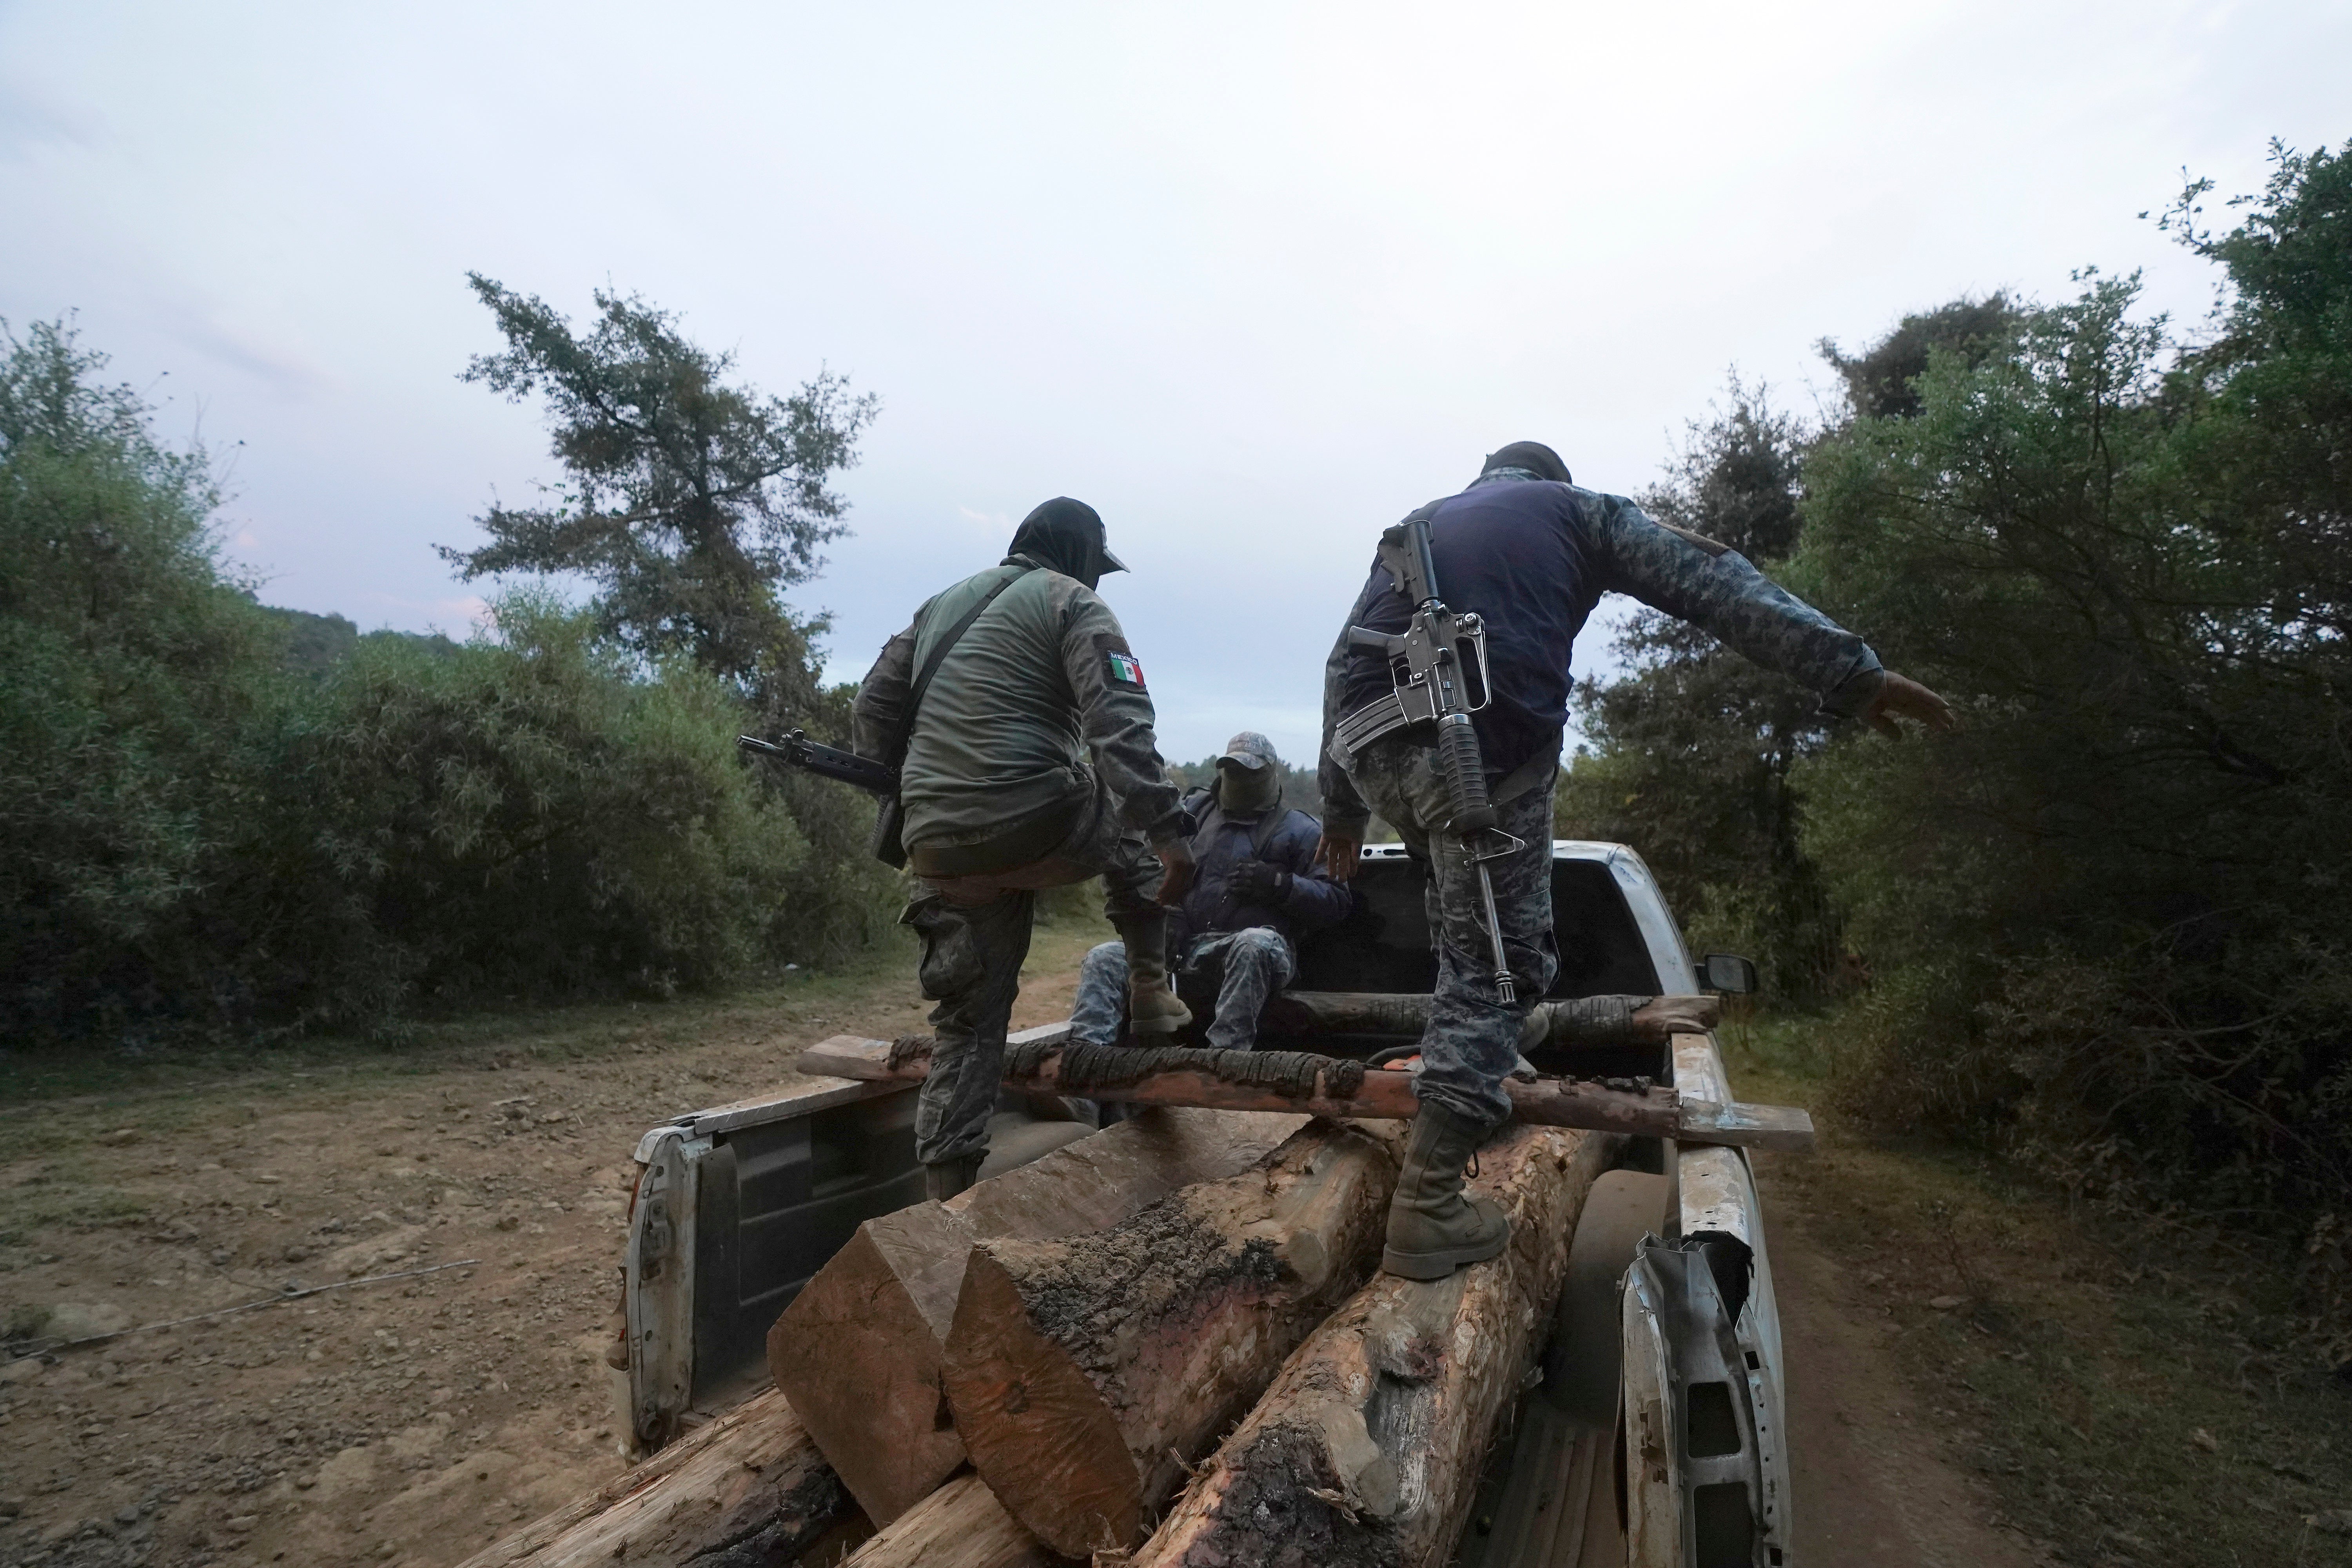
1256	882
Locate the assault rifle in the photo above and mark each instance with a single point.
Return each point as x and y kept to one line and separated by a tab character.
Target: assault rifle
798	751
1437	671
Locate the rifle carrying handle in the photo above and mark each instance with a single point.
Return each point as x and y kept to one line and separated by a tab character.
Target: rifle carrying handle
1464	770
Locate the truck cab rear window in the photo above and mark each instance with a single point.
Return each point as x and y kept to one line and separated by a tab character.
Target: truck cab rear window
1384	945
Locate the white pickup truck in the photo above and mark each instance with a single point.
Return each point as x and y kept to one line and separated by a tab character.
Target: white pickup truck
1655	1434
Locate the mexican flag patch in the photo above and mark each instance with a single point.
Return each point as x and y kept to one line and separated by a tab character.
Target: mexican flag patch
1125	670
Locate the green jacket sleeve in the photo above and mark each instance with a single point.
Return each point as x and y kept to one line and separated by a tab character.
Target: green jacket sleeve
881	705
1116	717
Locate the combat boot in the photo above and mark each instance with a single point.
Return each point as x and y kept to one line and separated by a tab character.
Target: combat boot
949	1177
1434	1226
1152	1008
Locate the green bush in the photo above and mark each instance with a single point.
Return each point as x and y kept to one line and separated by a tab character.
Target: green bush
2110	918
199	838
520	815
135	672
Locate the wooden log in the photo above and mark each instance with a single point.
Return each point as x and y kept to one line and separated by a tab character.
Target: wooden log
1577	1021
858	1350
750	1484
1367	1448
1654	1113
1085	1373
961	1525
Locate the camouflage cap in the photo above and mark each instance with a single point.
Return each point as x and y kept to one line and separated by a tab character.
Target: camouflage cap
1250	750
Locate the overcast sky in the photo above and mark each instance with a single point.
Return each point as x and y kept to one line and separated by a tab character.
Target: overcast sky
1254	280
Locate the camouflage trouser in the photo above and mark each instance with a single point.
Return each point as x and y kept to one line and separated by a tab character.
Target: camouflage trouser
1472	1041
1257	963
974	937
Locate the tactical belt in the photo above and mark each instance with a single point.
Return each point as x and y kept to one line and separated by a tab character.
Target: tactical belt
1512	784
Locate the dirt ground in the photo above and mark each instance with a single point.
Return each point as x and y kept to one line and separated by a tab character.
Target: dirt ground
406	1423
1874	1479
410	1424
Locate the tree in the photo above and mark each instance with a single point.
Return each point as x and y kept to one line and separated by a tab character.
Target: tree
689	502
1689	758
2109	917
135	667
1879	380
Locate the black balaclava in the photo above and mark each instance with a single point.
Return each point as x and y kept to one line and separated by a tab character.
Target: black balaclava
1534	457
1067	536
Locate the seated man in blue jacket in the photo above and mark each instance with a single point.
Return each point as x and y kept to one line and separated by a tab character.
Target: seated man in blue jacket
1255	890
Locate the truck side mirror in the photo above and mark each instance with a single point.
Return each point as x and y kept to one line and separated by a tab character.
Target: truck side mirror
1727	973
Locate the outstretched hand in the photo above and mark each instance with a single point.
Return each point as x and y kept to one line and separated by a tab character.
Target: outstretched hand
1900	697
1337	855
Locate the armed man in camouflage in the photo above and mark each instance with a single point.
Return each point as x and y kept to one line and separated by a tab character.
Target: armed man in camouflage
1527	550
1031	764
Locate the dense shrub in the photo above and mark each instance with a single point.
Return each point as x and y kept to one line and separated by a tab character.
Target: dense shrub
2110	917
134	674
207	829
522	814
2109	923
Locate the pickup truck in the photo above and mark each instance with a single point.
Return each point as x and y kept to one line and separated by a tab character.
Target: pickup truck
1653	1434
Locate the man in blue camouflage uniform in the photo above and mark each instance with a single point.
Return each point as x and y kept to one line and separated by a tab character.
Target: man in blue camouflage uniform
1032	763
1531	552
1256	890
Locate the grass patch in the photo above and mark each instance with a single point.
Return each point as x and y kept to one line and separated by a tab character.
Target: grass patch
57	1193
491	1036
158	1089
2133	1386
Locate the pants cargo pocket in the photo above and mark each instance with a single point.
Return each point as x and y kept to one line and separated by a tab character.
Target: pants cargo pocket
951	965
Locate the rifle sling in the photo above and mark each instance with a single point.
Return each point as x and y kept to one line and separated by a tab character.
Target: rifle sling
922	682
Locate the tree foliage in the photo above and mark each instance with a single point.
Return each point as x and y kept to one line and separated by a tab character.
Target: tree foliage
689	502
136	669
1689	756
217	818
2107	921
1881	382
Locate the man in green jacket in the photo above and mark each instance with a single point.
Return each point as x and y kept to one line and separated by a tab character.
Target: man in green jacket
1032	763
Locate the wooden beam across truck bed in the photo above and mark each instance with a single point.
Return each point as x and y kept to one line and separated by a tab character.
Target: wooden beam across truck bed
1343	1089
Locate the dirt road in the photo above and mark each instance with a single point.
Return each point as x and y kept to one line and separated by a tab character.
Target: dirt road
409	1424
1875	1473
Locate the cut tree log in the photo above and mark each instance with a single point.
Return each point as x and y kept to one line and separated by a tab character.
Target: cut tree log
961	1525
1367	1448
750	1486
1571	1021
858	1350
1085	1373
1337	1088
